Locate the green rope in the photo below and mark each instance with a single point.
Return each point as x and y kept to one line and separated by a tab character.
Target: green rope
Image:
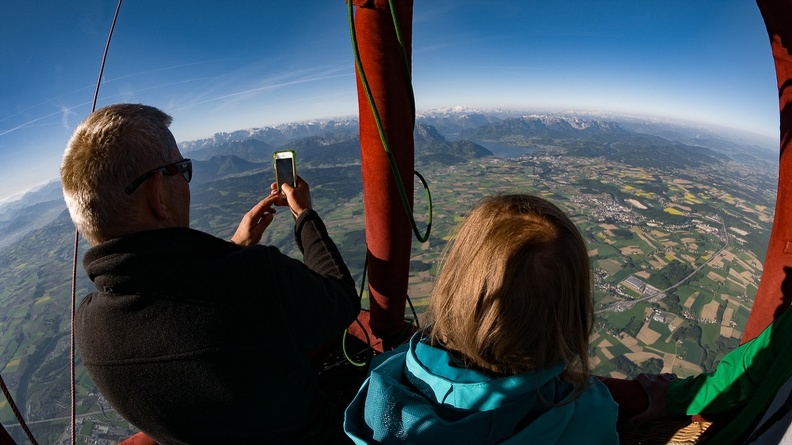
405	62
385	145
362	328
391	161
346	354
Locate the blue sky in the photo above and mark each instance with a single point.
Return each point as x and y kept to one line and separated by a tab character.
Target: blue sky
222	66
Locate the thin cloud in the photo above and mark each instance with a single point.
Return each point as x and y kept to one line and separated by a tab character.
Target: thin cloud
159	70
277	82
66	113
63	111
27	124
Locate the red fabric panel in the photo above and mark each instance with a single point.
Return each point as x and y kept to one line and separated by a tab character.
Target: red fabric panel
139	439
775	287
388	231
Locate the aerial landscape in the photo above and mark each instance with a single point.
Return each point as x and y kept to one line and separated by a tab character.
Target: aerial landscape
653	126
676	241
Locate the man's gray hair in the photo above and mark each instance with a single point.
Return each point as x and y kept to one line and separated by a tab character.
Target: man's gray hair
109	149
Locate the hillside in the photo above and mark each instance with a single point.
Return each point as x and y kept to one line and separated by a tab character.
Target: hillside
593	138
650	208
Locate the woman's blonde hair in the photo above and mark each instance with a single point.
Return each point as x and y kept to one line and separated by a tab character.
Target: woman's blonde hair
515	292
108	150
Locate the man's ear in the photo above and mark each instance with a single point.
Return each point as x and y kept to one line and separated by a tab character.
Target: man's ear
156	197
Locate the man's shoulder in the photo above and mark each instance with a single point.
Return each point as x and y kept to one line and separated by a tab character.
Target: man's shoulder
166	233
166	240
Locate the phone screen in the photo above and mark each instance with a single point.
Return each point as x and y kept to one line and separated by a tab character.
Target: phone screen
284	171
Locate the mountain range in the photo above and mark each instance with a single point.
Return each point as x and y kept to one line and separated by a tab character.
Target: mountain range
32	211
232	169
445	136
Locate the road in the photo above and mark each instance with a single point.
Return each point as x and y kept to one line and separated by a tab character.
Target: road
630	303
56	419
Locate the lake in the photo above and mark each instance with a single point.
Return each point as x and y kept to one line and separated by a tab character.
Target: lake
505	150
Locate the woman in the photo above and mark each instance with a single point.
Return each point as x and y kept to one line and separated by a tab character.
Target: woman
504	358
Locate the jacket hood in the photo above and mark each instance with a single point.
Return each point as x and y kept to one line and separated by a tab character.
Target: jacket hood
420	394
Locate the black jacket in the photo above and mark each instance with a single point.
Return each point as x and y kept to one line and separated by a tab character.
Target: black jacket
194	339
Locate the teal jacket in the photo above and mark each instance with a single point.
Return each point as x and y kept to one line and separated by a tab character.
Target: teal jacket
419	394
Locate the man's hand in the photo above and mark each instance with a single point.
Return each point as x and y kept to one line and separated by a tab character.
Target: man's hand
297	198
253	224
656	387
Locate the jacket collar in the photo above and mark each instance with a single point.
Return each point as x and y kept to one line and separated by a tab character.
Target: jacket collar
433	371
149	261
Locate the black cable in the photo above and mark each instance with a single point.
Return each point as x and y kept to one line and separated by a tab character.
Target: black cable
104	56
362	328
18	415
415	315
72	386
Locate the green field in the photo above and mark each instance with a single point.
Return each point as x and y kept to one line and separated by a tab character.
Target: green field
34	287
692	351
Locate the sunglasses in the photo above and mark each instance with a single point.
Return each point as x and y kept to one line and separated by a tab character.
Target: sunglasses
184	167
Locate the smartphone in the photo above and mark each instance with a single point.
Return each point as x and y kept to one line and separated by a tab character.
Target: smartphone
285	168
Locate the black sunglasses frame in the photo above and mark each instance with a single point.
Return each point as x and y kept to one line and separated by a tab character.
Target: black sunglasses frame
183	167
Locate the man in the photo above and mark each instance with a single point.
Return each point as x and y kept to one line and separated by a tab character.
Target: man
191	338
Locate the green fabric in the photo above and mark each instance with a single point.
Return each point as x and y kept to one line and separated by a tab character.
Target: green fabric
746	378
